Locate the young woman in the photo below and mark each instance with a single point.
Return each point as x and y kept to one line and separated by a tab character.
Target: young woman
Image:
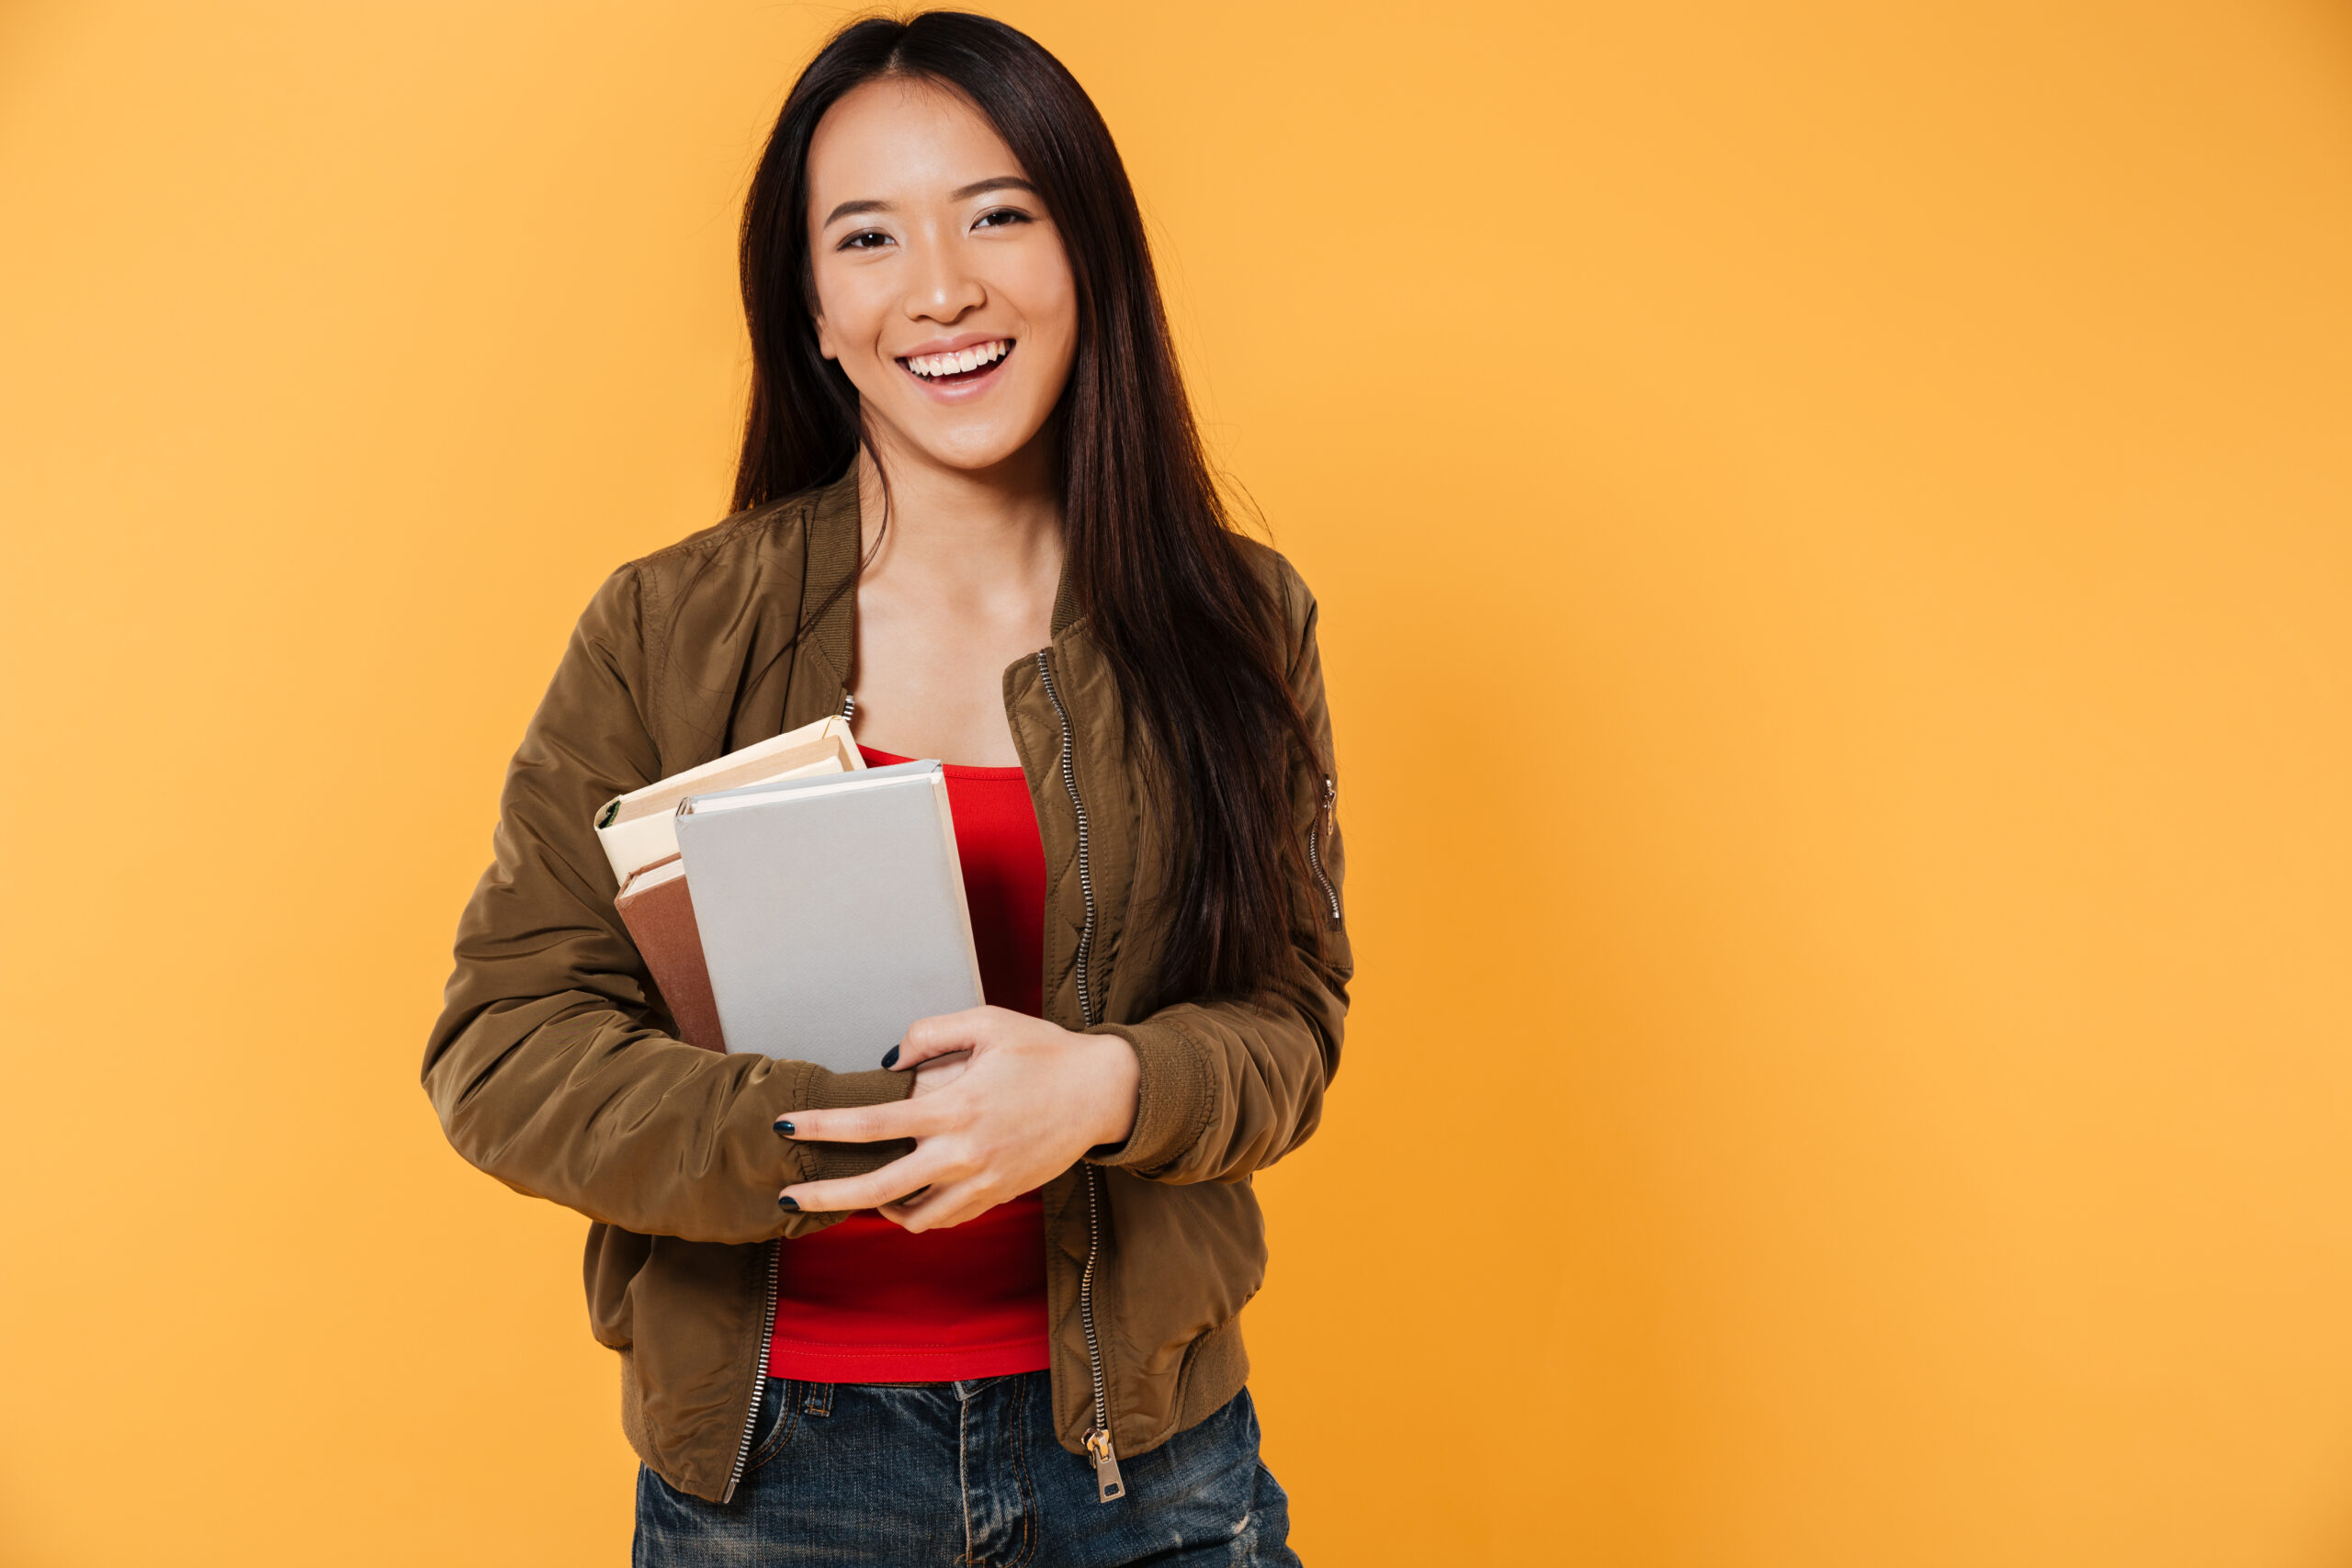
980	1303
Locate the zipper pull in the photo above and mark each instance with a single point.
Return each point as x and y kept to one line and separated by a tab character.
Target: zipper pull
1108	1487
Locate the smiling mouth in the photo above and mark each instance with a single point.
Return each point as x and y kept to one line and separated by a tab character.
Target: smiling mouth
961	367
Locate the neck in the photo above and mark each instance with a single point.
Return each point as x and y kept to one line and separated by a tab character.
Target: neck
978	526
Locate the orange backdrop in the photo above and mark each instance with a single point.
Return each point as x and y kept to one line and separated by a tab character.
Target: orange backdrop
1832	525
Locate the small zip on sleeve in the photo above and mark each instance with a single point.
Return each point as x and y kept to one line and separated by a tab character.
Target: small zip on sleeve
1325	817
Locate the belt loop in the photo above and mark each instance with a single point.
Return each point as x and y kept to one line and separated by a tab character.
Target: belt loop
818	1400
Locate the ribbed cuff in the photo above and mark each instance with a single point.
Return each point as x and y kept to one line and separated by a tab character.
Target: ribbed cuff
833	1091
1173	1097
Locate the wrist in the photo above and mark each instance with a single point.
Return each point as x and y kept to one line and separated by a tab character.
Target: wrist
1120	1090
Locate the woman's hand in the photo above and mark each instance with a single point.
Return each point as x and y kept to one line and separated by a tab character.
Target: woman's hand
1027	1103
939	1072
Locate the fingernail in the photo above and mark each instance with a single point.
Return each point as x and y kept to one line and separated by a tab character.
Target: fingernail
890	1057
784	1130
786	1201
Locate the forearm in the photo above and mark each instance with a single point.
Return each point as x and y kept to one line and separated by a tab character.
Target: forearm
1226	1088
569	1098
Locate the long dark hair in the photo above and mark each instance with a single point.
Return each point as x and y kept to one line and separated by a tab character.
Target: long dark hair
1191	633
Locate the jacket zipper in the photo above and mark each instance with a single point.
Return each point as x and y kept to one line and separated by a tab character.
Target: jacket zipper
1085	872
1108	1487
758	1372
767	1314
1314	844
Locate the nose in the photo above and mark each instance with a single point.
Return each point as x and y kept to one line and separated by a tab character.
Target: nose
939	287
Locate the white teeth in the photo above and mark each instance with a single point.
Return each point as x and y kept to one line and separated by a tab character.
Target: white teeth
959	362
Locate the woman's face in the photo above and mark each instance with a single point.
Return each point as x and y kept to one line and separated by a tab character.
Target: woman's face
942	289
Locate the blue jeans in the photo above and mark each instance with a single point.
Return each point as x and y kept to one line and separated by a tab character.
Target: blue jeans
966	1474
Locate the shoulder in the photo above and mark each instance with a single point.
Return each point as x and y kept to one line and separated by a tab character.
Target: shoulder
748	533
756	540
1292	597
760	555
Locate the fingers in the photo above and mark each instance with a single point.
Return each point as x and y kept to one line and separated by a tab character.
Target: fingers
906	1174
941	1036
861	1123
936	1208
939	1072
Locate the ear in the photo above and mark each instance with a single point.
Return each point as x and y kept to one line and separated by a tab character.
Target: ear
824	339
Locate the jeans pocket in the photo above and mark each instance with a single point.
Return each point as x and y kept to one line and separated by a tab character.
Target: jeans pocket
779	1419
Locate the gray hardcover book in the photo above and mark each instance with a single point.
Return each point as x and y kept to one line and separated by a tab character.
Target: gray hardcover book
831	911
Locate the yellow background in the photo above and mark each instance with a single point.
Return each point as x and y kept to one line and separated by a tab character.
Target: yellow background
1834	523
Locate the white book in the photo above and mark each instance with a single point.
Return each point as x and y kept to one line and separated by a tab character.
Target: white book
831	911
635	828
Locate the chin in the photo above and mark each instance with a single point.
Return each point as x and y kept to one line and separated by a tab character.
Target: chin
971	452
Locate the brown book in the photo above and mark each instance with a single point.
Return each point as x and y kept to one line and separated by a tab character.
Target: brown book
659	914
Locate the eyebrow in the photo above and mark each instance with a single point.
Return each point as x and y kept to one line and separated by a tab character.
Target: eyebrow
961	193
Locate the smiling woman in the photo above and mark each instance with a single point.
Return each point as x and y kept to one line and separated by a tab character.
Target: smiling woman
982	1302
921	200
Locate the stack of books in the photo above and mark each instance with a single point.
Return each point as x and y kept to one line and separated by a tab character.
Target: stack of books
791	901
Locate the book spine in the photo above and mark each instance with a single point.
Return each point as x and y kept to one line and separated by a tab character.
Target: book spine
661	921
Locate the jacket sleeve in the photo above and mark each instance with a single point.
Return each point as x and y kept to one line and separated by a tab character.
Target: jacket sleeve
1228	1088
547	1067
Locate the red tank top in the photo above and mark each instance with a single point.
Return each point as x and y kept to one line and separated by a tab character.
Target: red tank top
865	1301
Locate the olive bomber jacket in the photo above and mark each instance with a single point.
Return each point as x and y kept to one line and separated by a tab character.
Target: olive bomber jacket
553	1065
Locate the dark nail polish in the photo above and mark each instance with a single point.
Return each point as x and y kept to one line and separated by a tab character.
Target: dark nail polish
783	1128
890	1057
785	1201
